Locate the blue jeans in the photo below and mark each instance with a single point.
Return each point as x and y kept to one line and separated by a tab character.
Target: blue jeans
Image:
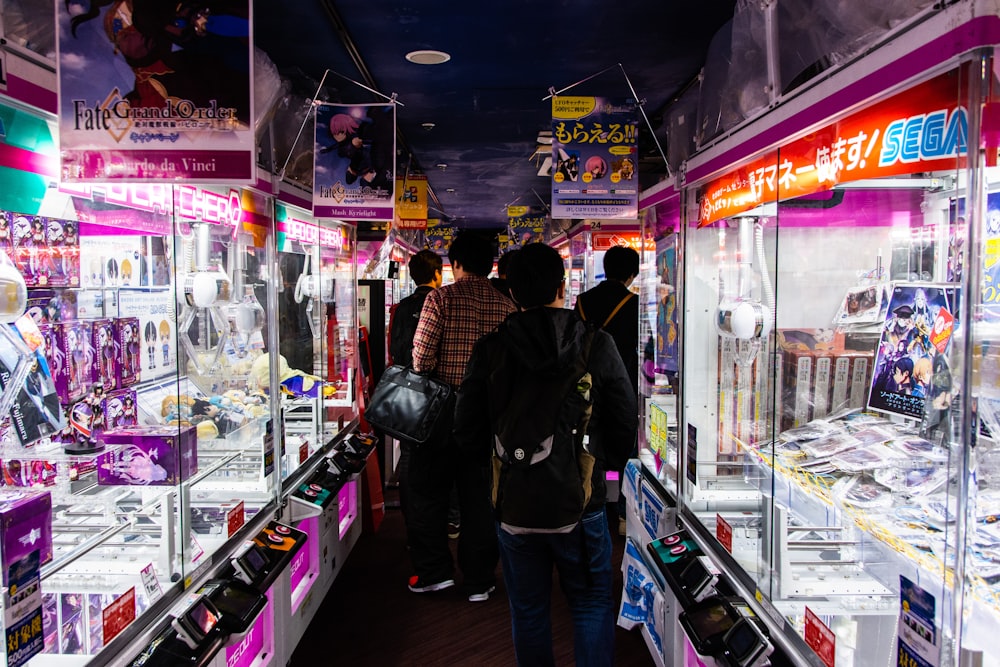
527	573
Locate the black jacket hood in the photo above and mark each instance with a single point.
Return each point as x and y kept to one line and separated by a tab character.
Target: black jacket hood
544	338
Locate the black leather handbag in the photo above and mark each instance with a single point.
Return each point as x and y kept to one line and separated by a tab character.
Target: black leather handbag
408	405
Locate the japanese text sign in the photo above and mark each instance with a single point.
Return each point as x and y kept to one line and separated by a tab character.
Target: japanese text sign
921	129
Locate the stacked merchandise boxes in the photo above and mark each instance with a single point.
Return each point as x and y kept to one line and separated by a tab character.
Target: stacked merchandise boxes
819	375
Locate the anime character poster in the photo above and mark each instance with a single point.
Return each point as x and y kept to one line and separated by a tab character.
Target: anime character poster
438	237
156	91
594	165
666	303
525	224
991	258
911	366
354	161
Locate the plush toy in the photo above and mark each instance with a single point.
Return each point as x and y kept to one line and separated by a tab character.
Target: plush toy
293	382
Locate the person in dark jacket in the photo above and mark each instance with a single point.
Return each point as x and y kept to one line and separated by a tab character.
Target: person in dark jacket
500	282
544	334
425	271
613	307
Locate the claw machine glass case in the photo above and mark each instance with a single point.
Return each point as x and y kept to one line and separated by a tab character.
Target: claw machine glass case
658	334
132	444
317	330
831	349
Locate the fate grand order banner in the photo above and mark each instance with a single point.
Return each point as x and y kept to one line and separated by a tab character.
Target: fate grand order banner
156	91
594	158
354	161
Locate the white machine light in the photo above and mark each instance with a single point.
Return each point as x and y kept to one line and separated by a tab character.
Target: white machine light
13	291
745	320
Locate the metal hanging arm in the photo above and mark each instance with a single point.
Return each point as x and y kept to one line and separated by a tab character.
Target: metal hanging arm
521	196
312	105
389	98
666	164
553	93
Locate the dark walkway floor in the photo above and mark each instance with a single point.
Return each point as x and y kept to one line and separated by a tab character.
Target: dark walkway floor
370	618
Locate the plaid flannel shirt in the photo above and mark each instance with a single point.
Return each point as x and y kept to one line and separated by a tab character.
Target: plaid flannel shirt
453	319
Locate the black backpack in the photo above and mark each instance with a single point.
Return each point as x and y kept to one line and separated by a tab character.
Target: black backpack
541	470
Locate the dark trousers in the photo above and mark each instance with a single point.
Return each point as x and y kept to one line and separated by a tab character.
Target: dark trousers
434	468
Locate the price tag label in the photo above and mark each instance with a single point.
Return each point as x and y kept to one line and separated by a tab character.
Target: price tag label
151	583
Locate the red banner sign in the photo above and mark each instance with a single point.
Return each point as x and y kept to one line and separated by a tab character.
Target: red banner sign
724	533
117	615
820	638
235	518
921	129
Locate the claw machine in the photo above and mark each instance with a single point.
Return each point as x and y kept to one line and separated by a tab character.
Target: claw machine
837	367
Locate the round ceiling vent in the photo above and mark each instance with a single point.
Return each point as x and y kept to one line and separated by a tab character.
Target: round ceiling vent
428	57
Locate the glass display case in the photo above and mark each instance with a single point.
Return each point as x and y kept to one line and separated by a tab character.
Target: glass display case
134	444
317	332
142	327
837	366
658	336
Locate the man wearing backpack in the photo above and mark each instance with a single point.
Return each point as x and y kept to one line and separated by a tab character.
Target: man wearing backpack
611	306
539	378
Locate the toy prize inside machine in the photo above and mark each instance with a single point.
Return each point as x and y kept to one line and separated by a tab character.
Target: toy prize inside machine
316	316
847	326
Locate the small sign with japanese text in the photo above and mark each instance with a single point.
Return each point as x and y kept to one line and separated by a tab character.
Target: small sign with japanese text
117	615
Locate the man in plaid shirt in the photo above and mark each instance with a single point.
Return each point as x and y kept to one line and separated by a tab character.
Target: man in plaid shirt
452	320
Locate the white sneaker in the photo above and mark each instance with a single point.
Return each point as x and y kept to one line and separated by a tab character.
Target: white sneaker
482	596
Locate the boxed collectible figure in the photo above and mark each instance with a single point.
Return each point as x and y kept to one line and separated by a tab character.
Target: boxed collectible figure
148	455
105	367
72	341
25	526
127	342
119	409
36	412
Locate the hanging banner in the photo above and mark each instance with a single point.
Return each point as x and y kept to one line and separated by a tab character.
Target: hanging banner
411	202
438	237
354	161
525	224
594	166
920	129
153	95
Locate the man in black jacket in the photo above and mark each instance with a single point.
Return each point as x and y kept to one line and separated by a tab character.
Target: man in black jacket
613	307
547	338
425	271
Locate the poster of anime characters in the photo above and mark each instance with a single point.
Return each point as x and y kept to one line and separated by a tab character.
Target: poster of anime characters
156	91
354	161
666	304
911	360
594	145
525	224
438	237
991	257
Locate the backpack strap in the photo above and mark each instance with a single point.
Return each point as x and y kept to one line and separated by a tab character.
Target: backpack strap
617	308
583	316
